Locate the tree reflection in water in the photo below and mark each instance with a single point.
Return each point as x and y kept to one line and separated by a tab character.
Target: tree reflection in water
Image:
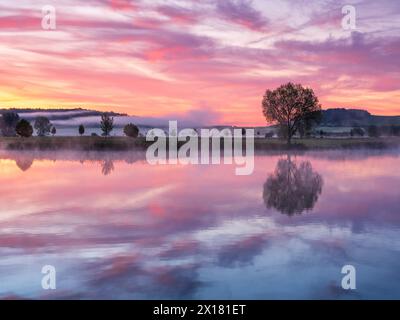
292	188
107	166
24	162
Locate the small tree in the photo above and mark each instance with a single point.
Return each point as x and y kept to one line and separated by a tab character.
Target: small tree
53	131
106	124
81	130
24	129
8	122
42	126
130	130
289	106
373	131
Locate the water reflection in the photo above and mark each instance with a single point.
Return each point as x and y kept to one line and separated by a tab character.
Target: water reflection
159	232
293	187
107	166
24	162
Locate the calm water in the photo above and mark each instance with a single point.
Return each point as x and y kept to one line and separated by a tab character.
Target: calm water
115	227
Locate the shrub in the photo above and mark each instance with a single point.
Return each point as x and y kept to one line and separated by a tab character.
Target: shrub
357	131
81	130
130	130
24	129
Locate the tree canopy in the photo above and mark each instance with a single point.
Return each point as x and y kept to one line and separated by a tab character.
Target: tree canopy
8	122
292	107
130	130
106	124
42	126
24	128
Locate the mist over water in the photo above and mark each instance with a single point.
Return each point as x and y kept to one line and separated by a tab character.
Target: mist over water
116	227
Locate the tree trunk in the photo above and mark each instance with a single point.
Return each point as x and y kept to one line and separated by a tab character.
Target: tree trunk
289	137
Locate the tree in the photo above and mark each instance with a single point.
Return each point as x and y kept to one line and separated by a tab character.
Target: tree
81	130
8	122
106	124
53	131
373	131
130	130
293	188
42	126
289	105
24	129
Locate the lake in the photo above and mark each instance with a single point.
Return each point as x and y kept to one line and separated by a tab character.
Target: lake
115	227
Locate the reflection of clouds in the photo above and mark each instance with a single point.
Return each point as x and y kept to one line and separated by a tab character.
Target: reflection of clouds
183	231
241	252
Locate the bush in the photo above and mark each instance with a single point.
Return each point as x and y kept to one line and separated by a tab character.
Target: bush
81	130
24	129
130	130
357	131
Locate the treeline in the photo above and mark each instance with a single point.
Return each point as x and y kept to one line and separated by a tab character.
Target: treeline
375	131
12	125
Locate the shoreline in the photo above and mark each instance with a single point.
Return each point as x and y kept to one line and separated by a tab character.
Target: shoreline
88	143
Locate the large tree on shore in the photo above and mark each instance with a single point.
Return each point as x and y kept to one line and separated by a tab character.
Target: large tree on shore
290	106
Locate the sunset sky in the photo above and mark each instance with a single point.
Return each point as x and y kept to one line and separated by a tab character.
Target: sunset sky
211	59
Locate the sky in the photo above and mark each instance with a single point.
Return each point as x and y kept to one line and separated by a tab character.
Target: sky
208	59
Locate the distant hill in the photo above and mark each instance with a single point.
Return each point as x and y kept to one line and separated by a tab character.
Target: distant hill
59	114
341	117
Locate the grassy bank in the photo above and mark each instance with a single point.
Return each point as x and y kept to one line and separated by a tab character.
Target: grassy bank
328	144
124	143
